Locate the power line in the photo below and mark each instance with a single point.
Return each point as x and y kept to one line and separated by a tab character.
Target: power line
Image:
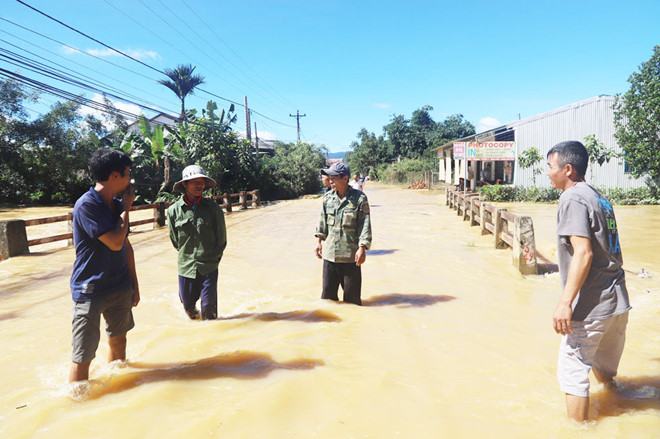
90	37
125	84
80	76
138	61
219	38
213	46
193	44
76	49
50	72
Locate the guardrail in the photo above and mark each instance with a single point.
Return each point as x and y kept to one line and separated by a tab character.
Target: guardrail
13	233
508	229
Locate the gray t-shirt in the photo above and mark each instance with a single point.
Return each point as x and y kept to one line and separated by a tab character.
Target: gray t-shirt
583	211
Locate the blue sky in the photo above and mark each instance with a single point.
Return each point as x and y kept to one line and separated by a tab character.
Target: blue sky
352	64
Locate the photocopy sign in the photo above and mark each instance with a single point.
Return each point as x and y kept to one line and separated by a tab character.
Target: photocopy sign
459	150
491	151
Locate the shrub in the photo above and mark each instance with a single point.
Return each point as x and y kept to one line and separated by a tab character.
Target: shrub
642	195
404	170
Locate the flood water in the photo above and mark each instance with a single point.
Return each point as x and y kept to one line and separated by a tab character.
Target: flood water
451	342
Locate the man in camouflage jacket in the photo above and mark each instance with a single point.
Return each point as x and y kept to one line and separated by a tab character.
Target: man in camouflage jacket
344	236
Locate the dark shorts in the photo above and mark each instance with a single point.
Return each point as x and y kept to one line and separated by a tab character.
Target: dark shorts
117	310
348	275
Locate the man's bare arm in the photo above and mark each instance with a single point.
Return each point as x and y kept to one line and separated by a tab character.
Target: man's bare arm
577	274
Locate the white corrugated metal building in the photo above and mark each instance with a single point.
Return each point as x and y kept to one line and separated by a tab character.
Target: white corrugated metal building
571	122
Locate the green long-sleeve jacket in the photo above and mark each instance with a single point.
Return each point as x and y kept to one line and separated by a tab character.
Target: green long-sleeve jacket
344	225
199	234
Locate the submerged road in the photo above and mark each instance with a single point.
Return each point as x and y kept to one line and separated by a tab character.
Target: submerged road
451	342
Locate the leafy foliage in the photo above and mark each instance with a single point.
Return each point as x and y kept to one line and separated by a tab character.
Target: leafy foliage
499	192
45	160
637	120
293	170
403	138
182	81
530	158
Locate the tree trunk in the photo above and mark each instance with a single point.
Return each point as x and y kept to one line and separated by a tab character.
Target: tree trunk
166	174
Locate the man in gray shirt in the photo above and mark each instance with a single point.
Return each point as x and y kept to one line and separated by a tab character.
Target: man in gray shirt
592	313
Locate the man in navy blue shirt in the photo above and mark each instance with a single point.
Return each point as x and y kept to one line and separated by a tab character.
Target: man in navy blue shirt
103	279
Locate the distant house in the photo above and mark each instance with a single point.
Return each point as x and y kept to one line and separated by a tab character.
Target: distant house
266	146
162	119
542	131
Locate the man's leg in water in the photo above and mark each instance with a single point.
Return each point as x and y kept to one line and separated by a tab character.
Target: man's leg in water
577	407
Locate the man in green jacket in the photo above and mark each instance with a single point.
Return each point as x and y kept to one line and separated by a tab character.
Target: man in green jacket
343	236
198	232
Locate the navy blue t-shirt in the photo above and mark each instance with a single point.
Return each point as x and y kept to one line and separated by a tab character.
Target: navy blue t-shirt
97	269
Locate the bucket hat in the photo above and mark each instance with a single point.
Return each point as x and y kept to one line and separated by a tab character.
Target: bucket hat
190	173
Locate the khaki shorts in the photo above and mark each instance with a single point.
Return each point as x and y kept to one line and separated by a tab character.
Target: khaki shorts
117	310
597	344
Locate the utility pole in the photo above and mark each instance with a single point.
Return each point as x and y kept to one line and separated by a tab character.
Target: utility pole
298	116
248	133
256	139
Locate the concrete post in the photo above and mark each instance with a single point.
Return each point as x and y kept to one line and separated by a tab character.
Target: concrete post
482	218
524	247
467	204
499	223
13	239
159	215
69	227
242	199
227	200
255	198
473	222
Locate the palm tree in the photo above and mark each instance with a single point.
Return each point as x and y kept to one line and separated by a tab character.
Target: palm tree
182	82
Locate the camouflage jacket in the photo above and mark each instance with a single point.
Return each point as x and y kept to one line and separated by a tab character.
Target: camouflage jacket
344	225
199	234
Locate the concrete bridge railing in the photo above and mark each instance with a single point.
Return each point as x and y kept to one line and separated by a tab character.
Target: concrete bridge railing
14	238
508	229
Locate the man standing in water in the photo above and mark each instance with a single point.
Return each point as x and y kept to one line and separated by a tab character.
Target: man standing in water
104	280
198	232
345	227
592	313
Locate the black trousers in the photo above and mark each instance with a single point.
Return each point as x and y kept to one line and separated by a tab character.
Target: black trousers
348	275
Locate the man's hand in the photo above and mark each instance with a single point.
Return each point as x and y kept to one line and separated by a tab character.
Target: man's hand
561	320
319	249
128	198
360	256
136	295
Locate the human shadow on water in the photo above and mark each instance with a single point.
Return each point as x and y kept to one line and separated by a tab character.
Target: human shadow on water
388	251
406	300
631	394
242	365
9	315
316	316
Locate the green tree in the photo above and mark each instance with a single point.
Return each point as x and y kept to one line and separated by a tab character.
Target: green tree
452	128
637	120
399	134
598	152
182	81
368	152
293	170
530	158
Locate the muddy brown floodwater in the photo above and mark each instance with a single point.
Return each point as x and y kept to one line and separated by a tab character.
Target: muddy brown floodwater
452	342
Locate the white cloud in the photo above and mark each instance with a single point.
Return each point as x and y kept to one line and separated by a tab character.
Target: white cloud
487	123
381	105
69	50
140	54
131	108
